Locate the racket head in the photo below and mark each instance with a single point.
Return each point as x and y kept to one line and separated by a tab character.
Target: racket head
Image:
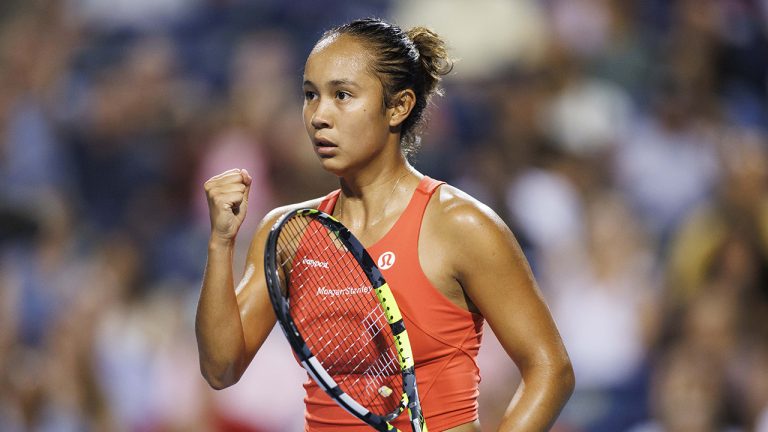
340	318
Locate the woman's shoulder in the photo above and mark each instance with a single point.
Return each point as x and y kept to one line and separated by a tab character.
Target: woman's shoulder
273	215
454	209
465	228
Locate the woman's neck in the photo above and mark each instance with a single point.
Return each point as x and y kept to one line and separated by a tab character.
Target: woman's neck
367	199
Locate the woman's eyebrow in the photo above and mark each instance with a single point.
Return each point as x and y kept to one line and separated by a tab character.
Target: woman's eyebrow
335	83
343	82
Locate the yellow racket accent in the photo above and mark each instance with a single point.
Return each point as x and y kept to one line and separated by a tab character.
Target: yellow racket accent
388	304
403	345
316	211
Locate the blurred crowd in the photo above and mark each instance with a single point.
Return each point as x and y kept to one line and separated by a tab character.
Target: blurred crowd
624	141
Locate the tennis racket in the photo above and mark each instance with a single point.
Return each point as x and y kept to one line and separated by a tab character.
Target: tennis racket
341	319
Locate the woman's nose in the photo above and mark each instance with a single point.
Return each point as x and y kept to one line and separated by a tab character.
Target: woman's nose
321	118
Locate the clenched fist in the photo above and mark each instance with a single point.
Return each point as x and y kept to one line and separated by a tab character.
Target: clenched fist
227	202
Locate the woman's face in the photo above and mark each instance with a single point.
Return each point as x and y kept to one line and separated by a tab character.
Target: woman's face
344	110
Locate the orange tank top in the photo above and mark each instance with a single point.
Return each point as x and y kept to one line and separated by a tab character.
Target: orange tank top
445	338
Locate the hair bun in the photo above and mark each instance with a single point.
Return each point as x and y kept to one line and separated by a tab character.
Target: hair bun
433	56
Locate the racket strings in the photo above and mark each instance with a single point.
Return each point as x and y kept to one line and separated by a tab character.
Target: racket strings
336	365
336	310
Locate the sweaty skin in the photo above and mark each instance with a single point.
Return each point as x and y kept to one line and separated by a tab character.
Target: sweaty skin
465	249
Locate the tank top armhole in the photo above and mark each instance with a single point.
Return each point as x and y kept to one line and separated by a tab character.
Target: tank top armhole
429	187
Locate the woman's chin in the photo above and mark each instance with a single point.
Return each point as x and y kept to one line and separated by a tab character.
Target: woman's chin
344	166
334	166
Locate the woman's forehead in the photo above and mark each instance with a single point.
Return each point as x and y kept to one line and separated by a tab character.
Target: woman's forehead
338	54
326	41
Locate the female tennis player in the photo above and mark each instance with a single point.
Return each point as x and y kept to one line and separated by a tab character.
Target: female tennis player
450	260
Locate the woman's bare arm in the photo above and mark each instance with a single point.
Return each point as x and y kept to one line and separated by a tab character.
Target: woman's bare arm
232	322
492	270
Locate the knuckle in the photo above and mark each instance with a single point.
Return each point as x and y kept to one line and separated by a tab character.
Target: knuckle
212	183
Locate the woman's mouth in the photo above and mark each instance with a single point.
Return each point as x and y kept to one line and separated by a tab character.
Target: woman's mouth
325	148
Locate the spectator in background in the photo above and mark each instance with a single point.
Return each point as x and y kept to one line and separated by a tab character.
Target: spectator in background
718	273
687	394
50	291
736	217
33	160
600	277
668	163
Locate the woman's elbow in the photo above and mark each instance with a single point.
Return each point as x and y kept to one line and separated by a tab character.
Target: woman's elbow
554	374
566	377
219	378
218	383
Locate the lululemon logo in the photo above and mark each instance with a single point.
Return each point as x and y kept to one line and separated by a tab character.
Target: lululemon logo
386	260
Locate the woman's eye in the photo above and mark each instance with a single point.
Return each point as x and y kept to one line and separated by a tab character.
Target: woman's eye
308	95
342	95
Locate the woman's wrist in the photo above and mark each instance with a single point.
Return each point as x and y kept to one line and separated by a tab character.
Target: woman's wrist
220	243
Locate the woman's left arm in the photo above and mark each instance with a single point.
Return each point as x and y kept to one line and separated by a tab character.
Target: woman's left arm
491	268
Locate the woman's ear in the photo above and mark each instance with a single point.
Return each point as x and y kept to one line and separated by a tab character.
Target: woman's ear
402	105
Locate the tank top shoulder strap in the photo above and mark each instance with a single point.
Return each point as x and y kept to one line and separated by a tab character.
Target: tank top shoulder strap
414	213
424	191
329	202
428	185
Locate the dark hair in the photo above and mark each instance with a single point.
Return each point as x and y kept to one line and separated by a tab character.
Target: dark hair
416	60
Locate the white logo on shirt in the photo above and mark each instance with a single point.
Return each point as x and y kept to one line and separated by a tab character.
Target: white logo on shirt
386	260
